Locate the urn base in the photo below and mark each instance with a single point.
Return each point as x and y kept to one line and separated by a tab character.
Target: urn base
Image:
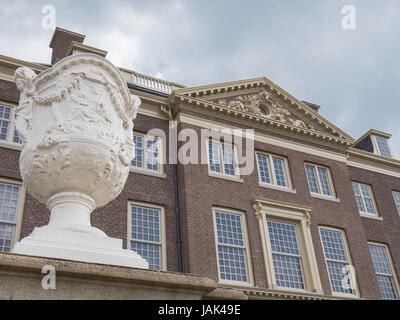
86	245
70	236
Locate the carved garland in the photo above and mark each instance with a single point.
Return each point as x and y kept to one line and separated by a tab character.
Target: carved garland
264	105
24	80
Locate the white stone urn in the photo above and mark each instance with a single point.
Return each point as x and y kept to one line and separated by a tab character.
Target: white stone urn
76	123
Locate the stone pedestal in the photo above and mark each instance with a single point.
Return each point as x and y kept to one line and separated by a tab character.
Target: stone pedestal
69	235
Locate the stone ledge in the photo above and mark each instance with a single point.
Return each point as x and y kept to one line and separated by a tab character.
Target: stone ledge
225	294
21	278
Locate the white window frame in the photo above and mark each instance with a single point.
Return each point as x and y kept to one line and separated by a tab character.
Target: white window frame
10	134
272	173
163	249
391	265
250	277
330	182
395	202
299	216
283	254
20	210
365	213
376	146
222	174
349	262
144	170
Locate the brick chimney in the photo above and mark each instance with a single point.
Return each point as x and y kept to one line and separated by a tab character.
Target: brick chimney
61	43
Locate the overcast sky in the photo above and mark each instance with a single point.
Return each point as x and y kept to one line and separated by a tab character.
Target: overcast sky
300	45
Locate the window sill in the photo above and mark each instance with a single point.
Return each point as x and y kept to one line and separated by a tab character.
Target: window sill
11	146
322	197
148	172
345	295
292	290
226	177
370	216
236	284
270	186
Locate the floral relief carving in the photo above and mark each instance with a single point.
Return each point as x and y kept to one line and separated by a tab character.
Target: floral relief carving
265	105
24	80
89	127
75	120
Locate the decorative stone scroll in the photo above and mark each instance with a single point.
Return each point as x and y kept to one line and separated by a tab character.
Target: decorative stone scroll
75	121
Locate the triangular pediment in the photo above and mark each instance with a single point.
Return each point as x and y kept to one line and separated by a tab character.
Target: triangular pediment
263	99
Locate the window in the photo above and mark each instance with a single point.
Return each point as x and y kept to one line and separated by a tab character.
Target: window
8	133
146	234
232	254
287	246
364	199
273	170
396	197
383	147
337	261
319	180
10	208
222	159
147	153
384	271
286	256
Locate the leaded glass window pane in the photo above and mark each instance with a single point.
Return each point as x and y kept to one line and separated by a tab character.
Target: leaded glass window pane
396	197
279	168
337	262
272	170
285	255
263	168
358	197
146	234
363	196
337	277
383	147
231	246
323	179
214	159
232	264
383	272
6	236
152	154
138	160
16	138
229	166
150	252
9	198
5	120
9	195
312	179
387	287
369	207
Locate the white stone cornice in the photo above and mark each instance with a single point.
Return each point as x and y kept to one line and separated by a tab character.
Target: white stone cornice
280	142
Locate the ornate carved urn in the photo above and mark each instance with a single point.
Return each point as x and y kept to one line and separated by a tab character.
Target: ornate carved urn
76	124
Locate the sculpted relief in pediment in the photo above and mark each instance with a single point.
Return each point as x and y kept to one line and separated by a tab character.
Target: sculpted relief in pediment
263	104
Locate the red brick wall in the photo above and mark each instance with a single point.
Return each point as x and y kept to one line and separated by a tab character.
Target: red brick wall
8	91
202	192
388	230
61	43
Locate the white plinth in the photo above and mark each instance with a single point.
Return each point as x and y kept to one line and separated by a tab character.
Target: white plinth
70	236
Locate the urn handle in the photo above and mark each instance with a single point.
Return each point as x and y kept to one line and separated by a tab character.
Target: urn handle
24	78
